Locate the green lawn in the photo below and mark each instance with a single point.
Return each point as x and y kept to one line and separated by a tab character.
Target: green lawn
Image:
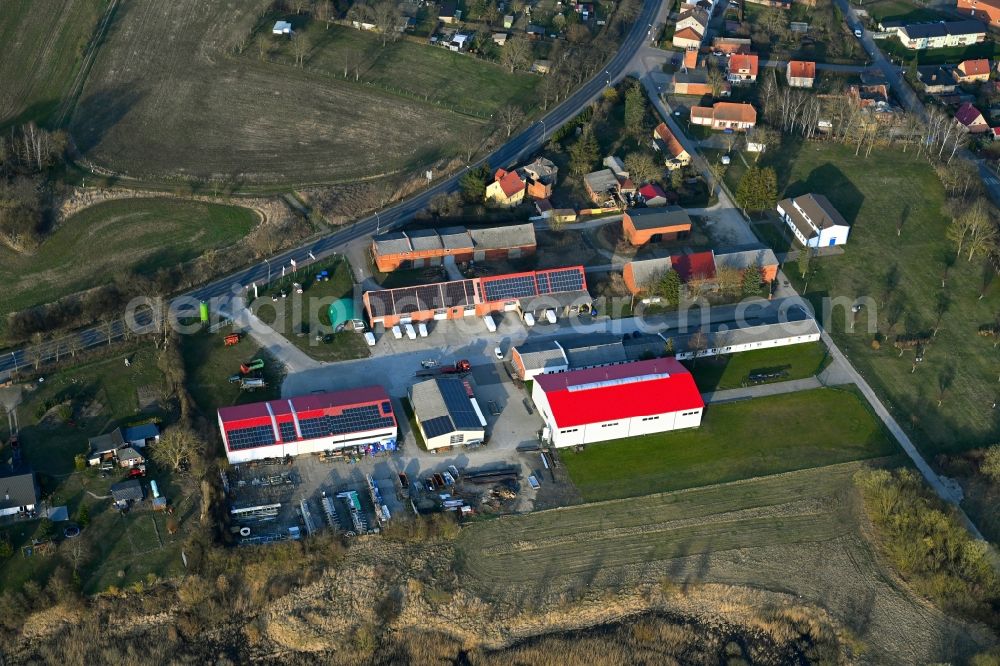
303	317
100	395
91	247
735	441
41	44
459	82
209	364
893	47
902	276
718	373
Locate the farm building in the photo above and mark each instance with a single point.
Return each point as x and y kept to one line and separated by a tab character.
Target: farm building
281	28
447	413
700	266
653	195
649	225
576	352
971	119
127	492
617	401
774	325
561	289
814	220
674	154
18	492
800	73
308	424
429	247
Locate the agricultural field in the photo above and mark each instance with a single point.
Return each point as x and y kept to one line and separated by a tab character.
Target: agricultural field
902	275
718	373
736	440
56	418
455	81
797	533
210	113
91	247
41	48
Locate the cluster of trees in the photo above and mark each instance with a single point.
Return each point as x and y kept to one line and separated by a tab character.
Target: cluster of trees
974	230
928	544
758	189
26	155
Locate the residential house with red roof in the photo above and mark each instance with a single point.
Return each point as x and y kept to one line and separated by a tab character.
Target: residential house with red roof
309	424
987	11
971	119
743	68
972	71
675	156
689	30
725	115
507	189
617	401
800	73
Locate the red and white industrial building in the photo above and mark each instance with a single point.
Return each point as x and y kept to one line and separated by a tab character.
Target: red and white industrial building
308	424
617	401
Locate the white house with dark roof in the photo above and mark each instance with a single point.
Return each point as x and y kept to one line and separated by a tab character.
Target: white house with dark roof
18	492
814	221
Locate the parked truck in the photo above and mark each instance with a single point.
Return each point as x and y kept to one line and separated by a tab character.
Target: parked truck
462	367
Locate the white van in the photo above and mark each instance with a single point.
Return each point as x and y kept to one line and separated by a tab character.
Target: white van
529	319
410	333
550	316
422	329
491	325
397	332
370	338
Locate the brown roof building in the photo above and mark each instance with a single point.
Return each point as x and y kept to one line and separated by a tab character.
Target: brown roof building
725	115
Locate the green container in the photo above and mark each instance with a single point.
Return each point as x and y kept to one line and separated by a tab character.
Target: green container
203	310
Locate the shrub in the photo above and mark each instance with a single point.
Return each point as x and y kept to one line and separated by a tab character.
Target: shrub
79	462
83	516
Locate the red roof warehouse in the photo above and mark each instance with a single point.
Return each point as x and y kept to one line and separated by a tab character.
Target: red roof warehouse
308	424
617	401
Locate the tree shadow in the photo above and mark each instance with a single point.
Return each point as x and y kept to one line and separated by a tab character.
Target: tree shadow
832	183
101	111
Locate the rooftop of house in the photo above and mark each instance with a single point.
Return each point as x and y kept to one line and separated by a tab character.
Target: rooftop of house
938	29
651	191
17	488
445	404
602	181
802	69
975	67
688	33
745	63
821	213
967	114
744	256
646	219
130	490
670	142
734	112
510	182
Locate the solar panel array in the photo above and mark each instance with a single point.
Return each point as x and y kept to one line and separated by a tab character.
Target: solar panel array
439	425
456	399
509	288
353	419
425	297
287	431
249	438
561	280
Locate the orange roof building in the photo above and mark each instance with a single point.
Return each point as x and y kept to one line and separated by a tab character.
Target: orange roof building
674	153
743	67
507	188
987	11
725	115
800	73
687	38
969	71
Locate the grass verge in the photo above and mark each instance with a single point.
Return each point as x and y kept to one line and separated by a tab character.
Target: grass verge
718	373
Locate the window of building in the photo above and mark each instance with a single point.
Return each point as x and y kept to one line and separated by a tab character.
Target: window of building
457	439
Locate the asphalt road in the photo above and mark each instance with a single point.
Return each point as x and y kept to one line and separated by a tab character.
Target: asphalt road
520	146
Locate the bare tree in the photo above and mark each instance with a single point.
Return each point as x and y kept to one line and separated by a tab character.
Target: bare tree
642	168
960	229
516	53
324	12
264	46
510	117
353	60
300	47
177	446
386	16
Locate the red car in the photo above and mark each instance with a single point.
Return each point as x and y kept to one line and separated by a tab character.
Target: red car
137	473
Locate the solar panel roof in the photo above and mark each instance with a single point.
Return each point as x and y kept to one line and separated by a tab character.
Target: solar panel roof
439	425
456	399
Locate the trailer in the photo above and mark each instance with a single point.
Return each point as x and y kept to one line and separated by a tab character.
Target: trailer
460	368
232	339
252	384
491	325
250	366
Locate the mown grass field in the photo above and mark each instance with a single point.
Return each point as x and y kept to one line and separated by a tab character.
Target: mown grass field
902	275
196	108
209	364
796	533
718	373
736	440
102	394
432	73
91	247
41	44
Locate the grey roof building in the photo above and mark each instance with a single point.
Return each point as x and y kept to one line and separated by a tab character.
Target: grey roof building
447	412
741	257
496	238
128	491
18	491
655	218
771	327
425	239
455	238
111	441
